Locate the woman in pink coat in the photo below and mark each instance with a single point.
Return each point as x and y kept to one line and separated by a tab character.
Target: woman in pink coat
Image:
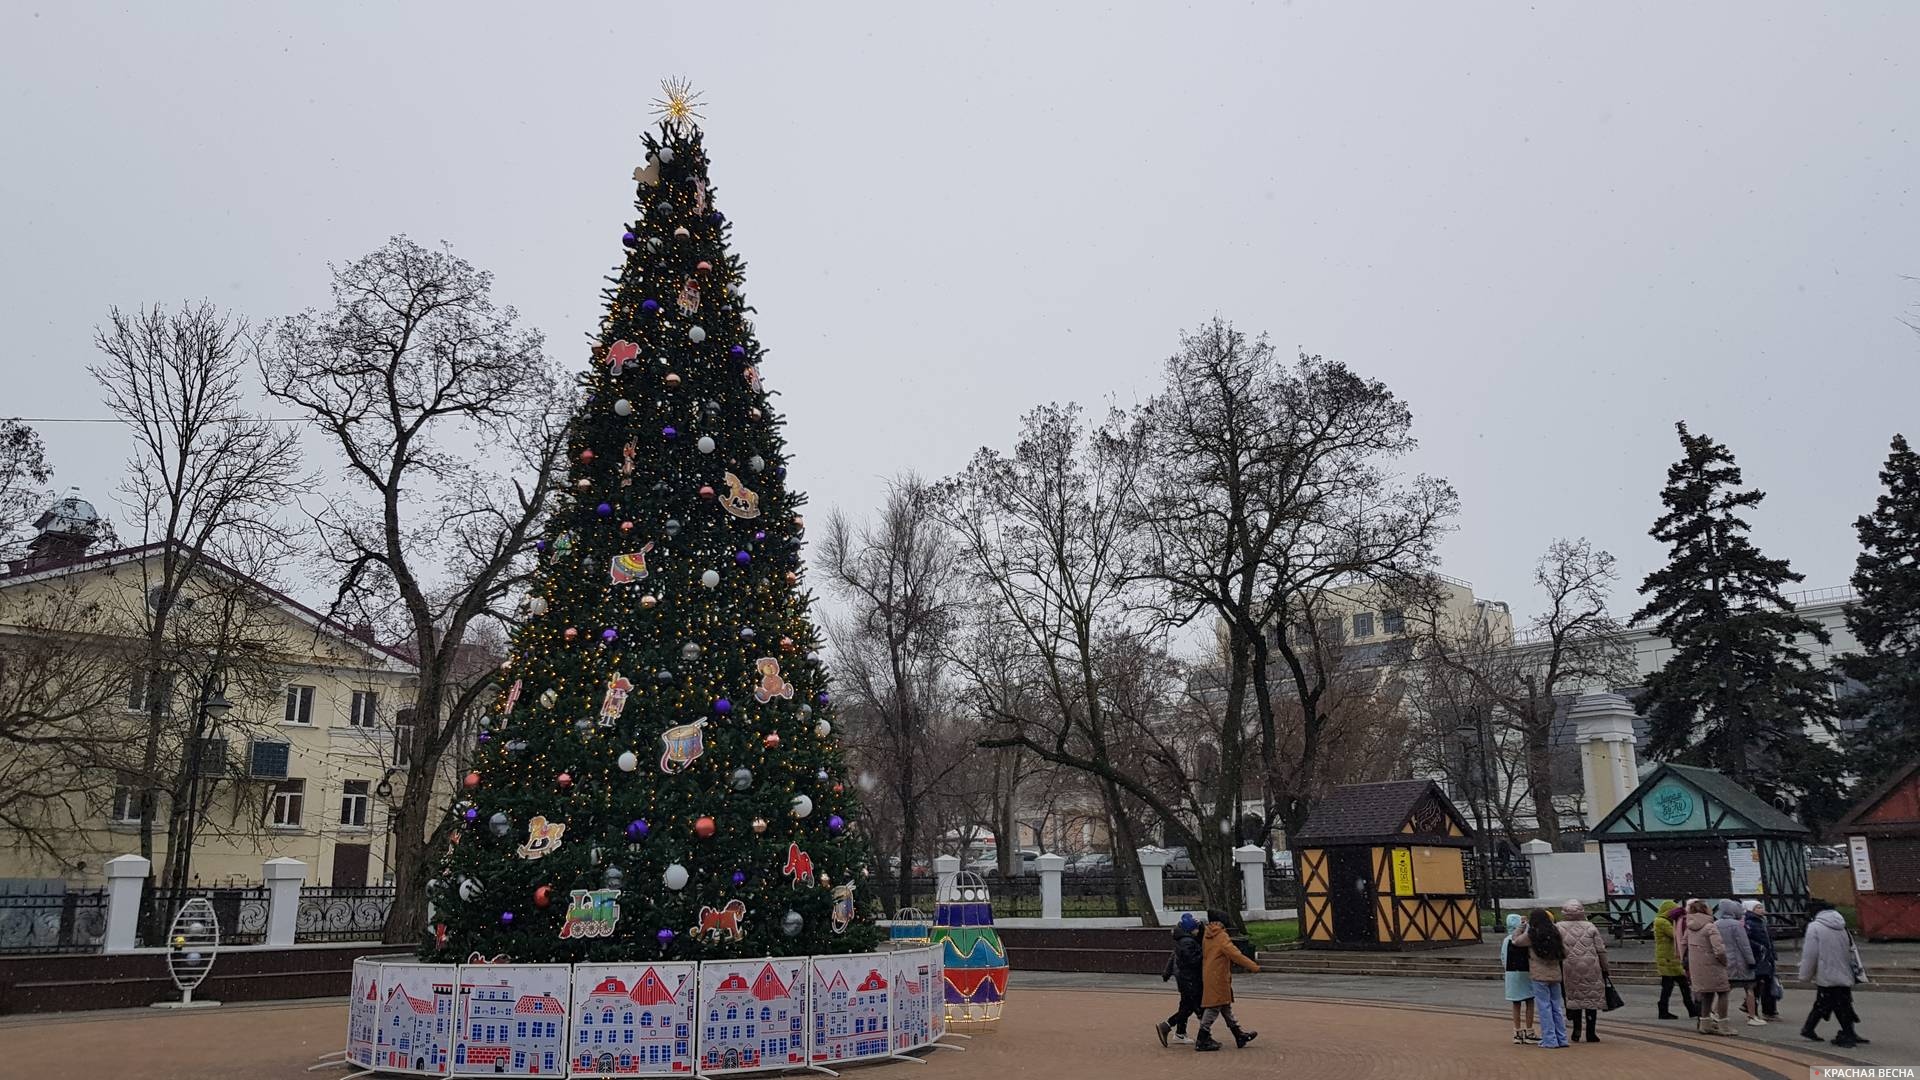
1584	971
1704	953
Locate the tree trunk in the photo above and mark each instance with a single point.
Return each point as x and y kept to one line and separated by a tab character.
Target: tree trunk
1538	734
1126	856
909	830
407	919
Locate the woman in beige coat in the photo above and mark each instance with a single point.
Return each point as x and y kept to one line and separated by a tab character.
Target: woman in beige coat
1584	971
1704	952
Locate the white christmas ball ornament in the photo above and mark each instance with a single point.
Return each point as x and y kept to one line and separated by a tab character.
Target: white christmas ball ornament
469	889
756	463
706	444
822	729
654	243
696	334
537	606
629	761
665	154
710	579
802	806
623	407
675	878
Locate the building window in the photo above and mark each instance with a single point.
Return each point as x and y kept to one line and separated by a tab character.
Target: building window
299	705
403	738
1330	630
365	709
126	805
1363	624
353	804
288	795
144	692
1393	622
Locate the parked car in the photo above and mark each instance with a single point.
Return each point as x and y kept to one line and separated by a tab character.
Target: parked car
1180	864
1093	862
989	863
1282	859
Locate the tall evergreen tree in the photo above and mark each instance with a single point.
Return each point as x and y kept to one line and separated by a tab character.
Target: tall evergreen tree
661	777
1736	693
1886	622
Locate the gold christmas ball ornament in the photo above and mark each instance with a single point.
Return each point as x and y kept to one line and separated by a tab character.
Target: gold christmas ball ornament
649	600
673	378
759	825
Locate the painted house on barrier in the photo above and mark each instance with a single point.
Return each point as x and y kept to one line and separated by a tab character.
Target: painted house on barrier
414	1032
915	1006
502	1029
1687	831
1883	843
625	1030
364	1017
856	1018
758	1025
1381	867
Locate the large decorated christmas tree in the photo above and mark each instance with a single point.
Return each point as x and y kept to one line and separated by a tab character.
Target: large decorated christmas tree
660	778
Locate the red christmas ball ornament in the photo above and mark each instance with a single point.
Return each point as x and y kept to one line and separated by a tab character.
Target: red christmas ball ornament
786	644
793	578
586	455
799	523
706	491
626	526
772	740
673	379
571	633
839	789
565	780
473	780
703	827
543	896
704	266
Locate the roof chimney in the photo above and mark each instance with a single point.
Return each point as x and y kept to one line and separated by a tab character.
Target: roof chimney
64	533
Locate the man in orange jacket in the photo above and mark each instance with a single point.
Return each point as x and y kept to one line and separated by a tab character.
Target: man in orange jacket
1218	958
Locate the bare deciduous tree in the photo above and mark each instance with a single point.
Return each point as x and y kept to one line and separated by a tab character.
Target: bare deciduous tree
207	477
1574	644
24	473
1270	504
897	577
451	422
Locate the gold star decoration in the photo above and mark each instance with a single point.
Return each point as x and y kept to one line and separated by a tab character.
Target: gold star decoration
678	105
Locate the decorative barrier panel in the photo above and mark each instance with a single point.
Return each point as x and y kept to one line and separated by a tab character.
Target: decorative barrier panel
675	1018
633	1019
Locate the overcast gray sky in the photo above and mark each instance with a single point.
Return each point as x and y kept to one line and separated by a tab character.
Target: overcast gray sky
1553	229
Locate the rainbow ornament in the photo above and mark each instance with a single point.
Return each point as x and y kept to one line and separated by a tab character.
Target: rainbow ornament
976	962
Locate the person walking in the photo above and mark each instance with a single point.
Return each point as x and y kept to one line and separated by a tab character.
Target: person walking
1666	960
1583	970
1761	1005
1706	959
1732	924
1519	984
1830	962
1544	953
1218	958
1183	967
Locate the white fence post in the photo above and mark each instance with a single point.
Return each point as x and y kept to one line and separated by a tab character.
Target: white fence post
126	880
945	867
284	878
1153	863
1050	867
1253	876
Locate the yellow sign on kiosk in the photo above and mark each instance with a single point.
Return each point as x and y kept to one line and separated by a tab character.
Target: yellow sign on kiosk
1402	871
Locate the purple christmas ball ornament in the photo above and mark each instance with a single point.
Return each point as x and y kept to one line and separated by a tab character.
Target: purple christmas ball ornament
636	829
668	432
506	916
665	935
739	878
821	697
737	351
759	536
649	305
742	558
609	634
540	545
836	823
717	217
629	239
722	706
472	814
604	509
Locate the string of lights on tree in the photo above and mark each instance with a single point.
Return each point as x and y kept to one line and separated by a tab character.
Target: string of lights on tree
660	777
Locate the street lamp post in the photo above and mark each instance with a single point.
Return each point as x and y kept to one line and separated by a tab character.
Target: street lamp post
1477	732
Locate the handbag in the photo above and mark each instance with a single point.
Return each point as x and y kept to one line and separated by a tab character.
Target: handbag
1775	990
1613	997
1853	957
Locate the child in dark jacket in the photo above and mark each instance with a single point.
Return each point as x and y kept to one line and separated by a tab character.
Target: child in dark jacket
1183	967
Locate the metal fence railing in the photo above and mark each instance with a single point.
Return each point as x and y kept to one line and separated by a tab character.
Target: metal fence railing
240	912
342	914
53	922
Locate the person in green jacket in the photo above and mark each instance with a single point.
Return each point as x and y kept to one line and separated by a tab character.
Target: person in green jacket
1666	960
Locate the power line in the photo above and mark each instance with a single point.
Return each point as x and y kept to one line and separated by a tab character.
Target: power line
123	420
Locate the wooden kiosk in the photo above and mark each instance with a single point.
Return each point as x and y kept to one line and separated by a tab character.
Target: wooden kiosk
1883	842
1692	832
1381	867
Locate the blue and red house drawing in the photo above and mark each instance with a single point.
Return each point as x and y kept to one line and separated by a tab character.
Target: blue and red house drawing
413	1030
851	1022
627	1030
755	1025
509	1032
